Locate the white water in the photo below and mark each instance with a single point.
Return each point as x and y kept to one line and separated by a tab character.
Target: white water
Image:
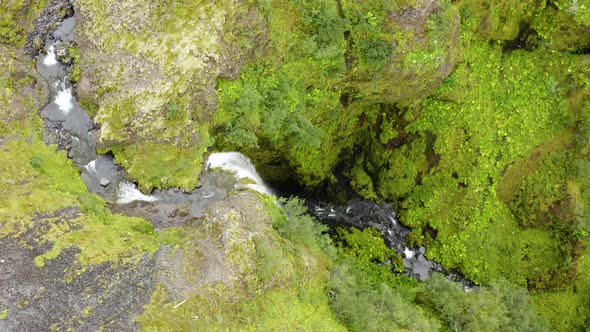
408	253
128	193
64	100
91	167
241	166
50	59
393	220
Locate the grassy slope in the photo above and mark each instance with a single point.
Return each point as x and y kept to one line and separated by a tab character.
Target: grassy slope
36	180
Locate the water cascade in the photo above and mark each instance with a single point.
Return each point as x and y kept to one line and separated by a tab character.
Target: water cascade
241	165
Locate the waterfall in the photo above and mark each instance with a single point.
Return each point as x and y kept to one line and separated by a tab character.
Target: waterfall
50	59
63	100
128	193
242	167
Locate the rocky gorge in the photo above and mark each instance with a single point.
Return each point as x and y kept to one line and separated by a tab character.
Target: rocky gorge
121	212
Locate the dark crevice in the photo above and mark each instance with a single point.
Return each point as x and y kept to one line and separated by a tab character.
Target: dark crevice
346	96
347	36
526	39
432	157
551	4
582	51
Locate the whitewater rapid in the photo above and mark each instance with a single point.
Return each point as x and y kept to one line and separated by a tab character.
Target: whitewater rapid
243	169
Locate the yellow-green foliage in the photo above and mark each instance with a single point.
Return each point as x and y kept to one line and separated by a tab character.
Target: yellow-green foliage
500	19
368	248
560	25
490	112
154	163
16	20
40	182
116	239
568	310
285	101
302	102
491	169
302	308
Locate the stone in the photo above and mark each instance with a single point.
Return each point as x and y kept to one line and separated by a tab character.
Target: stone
104	182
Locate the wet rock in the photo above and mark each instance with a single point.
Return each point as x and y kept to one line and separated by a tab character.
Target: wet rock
103	167
44	26
104	182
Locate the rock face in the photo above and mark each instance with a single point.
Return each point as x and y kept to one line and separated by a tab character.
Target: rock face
149	72
420	47
221	250
61	295
217	257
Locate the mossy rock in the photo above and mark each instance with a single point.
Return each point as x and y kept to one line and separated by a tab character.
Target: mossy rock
140	58
402	54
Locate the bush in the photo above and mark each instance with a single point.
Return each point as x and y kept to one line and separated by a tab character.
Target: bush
364	306
302	228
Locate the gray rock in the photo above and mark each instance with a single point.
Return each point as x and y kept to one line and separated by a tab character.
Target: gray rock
104	182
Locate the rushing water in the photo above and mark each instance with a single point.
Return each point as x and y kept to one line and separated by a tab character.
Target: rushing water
70	127
362	214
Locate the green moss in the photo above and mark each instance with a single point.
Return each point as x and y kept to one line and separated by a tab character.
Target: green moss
484	120
161	165
500	19
559	25
172	236
121	239
280	282
280	309
368	249
3	314
518	171
285	100
155	93
75	57
16	20
23	304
